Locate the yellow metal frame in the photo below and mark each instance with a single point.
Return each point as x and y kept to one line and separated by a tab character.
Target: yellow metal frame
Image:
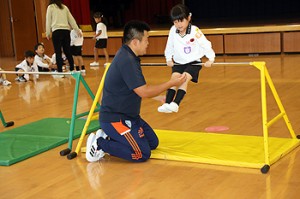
90	115
265	78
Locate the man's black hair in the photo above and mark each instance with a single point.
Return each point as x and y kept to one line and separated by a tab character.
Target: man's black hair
134	30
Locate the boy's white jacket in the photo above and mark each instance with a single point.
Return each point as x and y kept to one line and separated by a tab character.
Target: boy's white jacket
188	48
26	68
40	60
76	40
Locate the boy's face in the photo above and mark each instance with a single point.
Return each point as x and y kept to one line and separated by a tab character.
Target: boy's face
40	50
97	20
181	25
30	60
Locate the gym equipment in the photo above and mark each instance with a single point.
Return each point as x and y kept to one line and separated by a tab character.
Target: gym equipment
264	79
5	124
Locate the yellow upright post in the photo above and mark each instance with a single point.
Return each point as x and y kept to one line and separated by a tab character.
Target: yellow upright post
90	115
262	66
264	75
264	111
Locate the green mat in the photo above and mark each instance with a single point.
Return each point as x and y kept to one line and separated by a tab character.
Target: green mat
31	139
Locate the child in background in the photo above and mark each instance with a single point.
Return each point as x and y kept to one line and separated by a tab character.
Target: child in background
76	50
101	39
185	47
27	65
65	61
43	61
3	79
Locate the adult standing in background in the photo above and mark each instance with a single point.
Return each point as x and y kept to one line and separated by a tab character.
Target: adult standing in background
59	22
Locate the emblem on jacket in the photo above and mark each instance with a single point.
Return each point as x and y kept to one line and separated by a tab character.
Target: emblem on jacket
187	49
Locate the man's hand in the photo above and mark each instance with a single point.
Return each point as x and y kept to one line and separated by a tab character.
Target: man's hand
178	80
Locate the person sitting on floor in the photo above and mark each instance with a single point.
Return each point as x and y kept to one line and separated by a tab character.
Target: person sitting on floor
27	65
43	61
66	65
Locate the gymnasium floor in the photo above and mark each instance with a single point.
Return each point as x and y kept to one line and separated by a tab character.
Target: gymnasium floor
225	95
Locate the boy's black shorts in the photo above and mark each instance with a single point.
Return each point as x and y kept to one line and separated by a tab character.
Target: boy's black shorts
191	69
76	50
101	43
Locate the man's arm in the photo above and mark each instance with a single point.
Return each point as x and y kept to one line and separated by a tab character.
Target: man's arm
147	91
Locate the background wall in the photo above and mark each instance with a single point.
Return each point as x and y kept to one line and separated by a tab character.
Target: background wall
6	45
218	12
206	14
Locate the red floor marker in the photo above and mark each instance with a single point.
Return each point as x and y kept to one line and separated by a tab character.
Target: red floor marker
216	128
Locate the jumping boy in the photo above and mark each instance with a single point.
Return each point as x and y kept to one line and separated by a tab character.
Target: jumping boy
185	47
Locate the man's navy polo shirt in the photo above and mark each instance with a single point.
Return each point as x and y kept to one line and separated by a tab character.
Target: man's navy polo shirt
119	101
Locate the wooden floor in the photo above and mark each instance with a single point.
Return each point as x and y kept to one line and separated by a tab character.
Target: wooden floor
225	95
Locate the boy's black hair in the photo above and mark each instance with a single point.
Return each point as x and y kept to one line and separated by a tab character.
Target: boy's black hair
179	12
134	30
37	46
98	15
57	2
29	53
